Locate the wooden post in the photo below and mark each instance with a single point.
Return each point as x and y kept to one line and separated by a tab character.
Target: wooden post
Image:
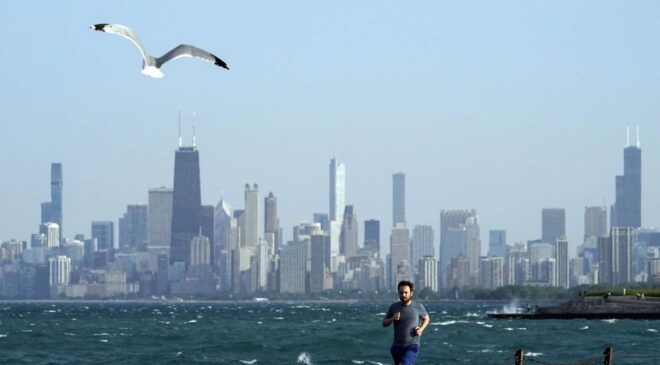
607	356
520	357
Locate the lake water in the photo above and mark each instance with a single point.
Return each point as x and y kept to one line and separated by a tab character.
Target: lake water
299	333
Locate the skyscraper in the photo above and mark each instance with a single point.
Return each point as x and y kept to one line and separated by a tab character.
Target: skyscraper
398	199
159	218
104	233
615	253
349	233
627	208
207	213
59	268
323	220
271	223
422	245
320	262
622	255
293	267
561	256
186	203
595	223
200	252
52	211
337	189
159	225
553	224
491	272
252	222
133	228
225	242
497	242
400	267
459	234
372	234
51	232
428	273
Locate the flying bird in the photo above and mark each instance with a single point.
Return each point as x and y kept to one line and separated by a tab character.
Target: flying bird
151	65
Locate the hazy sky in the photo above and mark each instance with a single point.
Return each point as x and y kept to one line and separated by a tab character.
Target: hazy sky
504	107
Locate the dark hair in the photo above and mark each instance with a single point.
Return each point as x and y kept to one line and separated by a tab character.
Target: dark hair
406	283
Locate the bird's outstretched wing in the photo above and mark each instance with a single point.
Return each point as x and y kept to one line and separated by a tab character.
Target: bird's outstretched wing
186	50
123	31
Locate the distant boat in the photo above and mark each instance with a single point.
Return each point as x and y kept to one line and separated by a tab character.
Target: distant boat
260	299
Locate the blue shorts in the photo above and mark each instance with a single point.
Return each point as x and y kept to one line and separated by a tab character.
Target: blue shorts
404	355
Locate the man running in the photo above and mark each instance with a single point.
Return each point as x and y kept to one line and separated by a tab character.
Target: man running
406	316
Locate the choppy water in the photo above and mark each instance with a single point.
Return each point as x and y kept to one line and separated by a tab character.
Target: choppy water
294	333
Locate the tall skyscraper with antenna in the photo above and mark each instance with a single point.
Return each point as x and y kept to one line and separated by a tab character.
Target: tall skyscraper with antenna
186	200
627	208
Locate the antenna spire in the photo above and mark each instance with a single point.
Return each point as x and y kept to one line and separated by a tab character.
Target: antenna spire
637	135
627	134
179	125
193	125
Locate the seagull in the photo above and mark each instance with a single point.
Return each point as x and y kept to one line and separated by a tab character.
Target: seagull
151	65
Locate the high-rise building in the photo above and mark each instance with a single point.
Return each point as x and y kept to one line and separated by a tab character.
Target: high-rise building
90	247
60	272
516	269
104	232
497	243
401	268
200	252
422	245
615	254
320	262
627	208
605	256
561	256
595	223
159	218
250	235
398	199
186	203
225	242
159	227
622	254
51	231
207	213
322	219
337	189
428	273
576	272
52	211
133	228
491	272
459	234
372	235
553	224
293	267
271	223
349	233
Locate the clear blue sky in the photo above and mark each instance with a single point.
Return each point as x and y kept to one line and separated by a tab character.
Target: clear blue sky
504	107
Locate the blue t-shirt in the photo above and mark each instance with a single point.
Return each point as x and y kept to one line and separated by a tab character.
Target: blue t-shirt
404	328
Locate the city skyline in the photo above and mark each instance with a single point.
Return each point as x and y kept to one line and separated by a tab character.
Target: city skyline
552	101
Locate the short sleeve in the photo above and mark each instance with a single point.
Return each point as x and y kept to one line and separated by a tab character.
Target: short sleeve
422	310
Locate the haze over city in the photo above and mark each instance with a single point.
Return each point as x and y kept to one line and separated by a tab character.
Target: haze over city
506	108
